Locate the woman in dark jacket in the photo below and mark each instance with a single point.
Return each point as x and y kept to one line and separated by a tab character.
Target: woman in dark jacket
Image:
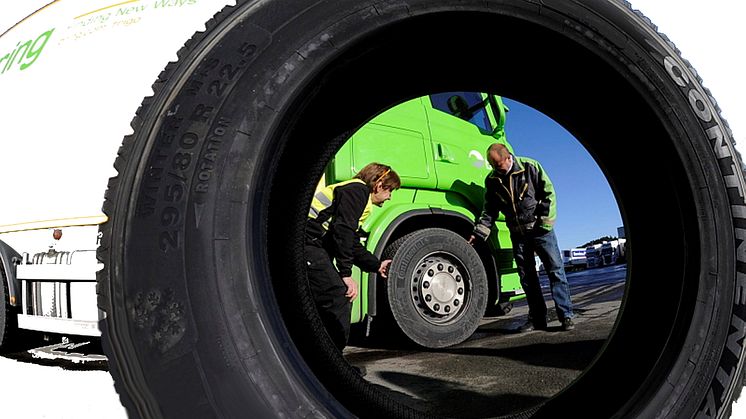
337	212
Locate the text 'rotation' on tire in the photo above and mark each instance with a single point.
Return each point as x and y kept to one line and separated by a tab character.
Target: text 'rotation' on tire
437	287
208	310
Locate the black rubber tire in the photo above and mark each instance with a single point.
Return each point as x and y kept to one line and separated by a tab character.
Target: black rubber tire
208	310
8	316
421	325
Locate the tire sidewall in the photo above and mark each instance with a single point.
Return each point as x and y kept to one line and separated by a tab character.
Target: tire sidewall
703	380
702	364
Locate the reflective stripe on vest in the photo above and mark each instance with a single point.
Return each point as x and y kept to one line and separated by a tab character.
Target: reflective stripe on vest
323	200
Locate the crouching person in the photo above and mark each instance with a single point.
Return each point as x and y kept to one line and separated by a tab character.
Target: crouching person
337	212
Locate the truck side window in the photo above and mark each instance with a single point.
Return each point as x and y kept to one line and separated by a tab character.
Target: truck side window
473	100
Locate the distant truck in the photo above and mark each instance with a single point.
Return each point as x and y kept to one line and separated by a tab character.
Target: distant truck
613	252
593	256
574	259
608	253
619	246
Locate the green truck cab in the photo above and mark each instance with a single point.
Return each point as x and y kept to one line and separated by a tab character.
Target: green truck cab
437	145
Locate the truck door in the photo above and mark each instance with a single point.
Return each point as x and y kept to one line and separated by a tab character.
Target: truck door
400	138
459	144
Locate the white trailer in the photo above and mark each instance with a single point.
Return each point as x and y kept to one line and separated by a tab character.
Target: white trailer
58	149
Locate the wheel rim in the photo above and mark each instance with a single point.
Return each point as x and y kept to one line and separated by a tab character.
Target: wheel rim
440	288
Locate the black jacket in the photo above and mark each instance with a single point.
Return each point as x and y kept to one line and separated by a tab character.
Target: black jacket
342	240
525	195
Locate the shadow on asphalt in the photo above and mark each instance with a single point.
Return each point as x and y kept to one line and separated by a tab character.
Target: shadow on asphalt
542	354
27	341
21	341
551	355
478	406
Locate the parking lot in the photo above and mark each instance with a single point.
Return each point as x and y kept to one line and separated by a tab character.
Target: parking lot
497	371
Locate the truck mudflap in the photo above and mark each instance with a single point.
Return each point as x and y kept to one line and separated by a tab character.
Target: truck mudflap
59	293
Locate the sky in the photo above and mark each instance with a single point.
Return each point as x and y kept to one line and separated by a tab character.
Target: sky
709	35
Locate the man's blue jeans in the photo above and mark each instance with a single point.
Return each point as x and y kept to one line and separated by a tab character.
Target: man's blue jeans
544	244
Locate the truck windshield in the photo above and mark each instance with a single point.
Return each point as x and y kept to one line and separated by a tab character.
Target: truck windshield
475	102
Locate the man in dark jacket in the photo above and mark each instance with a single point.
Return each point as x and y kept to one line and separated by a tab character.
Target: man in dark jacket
337	212
520	189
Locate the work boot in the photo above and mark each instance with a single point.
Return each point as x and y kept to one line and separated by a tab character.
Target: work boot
567	324
530	326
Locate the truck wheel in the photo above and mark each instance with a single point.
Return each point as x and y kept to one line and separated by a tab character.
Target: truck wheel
204	286
437	287
8	316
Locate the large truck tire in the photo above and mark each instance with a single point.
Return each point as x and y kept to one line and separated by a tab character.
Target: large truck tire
8	315
437	287
208	309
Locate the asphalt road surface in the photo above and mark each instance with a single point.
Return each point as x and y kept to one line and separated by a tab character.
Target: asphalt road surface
498	371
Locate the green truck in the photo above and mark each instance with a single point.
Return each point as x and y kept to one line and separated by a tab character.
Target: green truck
439	287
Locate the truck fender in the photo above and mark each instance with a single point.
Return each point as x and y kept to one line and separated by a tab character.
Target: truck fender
8	259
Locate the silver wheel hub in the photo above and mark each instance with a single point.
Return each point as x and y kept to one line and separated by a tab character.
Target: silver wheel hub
438	286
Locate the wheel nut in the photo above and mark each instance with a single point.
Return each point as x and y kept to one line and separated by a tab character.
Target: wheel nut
455	303
428	298
447	309
458	278
440	266
426	285
436	307
460	291
430	272
450	269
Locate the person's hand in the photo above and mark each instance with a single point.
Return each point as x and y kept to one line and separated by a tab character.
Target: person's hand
351	287
472	239
539	227
383	270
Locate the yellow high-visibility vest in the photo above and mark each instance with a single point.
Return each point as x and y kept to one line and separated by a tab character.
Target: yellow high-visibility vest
323	200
